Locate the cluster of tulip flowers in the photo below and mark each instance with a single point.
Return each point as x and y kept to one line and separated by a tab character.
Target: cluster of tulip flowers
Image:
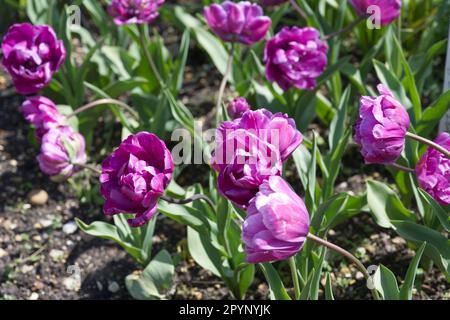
255	143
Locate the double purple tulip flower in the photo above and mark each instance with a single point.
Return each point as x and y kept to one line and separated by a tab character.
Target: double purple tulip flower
433	171
134	176
242	22
31	55
134	11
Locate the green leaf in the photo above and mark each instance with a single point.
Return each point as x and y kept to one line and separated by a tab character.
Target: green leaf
390	80
407	287
203	252
246	277
385	282
385	204
154	281
328	288
438	246
178	73
433	114
437	209
210	43
276	286
409	82
315	282
108	231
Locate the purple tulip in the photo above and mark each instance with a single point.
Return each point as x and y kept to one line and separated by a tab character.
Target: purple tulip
277	129
277	223
134	11
433	171
135	175
269	3
295	57
41	112
61	150
381	127
31	55
242	22
237	107
249	162
389	10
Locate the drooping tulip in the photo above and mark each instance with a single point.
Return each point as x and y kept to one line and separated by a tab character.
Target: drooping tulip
248	162
134	11
242	22
237	107
381	127
272	2
433	171
387	10
62	151
41	112
31	55
277	223
135	175
277	129
295	57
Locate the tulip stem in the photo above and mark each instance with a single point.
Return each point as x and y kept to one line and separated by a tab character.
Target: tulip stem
401	168
299	10
294	275
99	102
223	85
430	143
149	57
348	255
345	29
189	200
89	167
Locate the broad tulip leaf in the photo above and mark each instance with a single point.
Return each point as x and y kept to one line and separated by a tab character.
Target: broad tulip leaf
437	209
276	286
155	279
385	205
108	231
385	282
407	287
438	246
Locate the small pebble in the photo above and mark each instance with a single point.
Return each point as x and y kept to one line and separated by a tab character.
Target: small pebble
26	268
13	162
45	223
3	253
70	227
72	283
38	285
56	255
38	197
99	286
33	296
113	287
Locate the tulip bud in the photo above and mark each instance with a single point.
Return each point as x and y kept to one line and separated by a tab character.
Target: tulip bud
277	223
61	150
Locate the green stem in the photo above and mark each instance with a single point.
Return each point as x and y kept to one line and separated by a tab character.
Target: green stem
102	102
402	168
189	200
345	29
299	10
348	255
223	85
148	56
89	167
294	275
430	143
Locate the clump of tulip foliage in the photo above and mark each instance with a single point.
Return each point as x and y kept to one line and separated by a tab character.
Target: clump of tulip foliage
284	67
